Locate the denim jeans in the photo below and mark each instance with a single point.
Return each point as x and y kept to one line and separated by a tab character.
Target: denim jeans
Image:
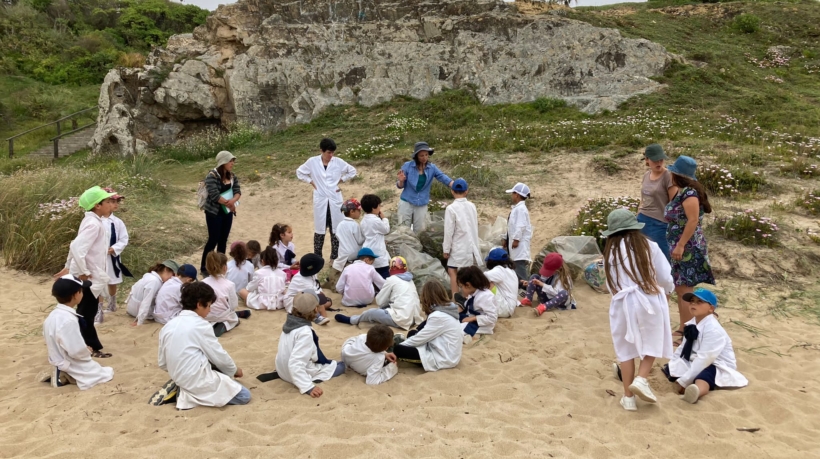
242	398
378	316
655	230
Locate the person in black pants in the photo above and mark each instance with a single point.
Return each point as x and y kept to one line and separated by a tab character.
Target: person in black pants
87	308
220	207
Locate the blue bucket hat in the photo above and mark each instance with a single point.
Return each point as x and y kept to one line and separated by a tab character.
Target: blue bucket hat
703	294
460	185
366	252
497	254
684	166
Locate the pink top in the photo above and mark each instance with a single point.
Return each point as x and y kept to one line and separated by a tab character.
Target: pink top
356	284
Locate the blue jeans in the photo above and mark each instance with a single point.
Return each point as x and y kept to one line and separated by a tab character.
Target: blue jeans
242	398
378	316
655	230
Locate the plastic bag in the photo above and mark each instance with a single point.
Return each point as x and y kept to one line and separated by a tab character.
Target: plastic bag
578	252
432	238
401	234
595	276
424	267
491	236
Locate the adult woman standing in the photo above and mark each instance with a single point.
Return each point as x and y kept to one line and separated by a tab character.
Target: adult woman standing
657	190
220	207
690	259
419	174
325	172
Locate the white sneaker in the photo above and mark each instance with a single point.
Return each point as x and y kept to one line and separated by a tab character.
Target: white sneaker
640	387
691	394
321	320
468	339
629	403
100	317
616	371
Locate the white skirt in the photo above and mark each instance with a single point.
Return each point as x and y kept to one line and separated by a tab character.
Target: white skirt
640	325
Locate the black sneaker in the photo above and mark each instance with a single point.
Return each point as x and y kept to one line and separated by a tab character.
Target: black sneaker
165	395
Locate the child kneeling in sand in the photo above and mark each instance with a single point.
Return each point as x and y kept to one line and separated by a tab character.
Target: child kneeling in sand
67	351
366	355
437	342
299	359
705	360
189	352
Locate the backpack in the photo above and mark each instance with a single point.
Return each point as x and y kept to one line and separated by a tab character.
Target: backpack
202	190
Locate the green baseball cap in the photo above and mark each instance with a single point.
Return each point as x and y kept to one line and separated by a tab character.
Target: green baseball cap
621	220
655	152
93	196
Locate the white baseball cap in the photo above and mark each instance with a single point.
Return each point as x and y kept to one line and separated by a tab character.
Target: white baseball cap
521	189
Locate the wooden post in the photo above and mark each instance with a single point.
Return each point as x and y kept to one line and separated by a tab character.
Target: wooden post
73	124
58	128
56	148
11	148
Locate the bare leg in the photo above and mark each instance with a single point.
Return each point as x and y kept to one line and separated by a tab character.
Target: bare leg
243	294
322	310
112	289
628	375
453	283
703	386
646	366
683	306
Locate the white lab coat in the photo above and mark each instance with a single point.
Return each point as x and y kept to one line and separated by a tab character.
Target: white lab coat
67	350
403	300
168	303
439	343
461	234
359	358
327	190
187	348
506	285
374	229
240	276
713	347
519	229
640	322
141	300
267	289
88	251
296	360
224	308
119	246
356	284
351	240
300	283
280	251
484	303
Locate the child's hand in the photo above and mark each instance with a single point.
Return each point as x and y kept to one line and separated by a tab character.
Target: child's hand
446	256
469	319
538	283
239	373
134	323
515	244
60	274
111	251
295	265
391	357
316	392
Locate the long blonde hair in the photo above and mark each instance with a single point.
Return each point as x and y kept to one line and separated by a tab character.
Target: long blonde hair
637	265
434	294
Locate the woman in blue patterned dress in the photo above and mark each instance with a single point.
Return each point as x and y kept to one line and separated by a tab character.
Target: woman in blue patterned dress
690	259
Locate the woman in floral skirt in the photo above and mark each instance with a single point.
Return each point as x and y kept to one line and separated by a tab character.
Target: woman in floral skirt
690	258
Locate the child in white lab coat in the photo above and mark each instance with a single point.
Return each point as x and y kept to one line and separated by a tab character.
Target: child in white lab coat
118	241
305	281
502	276
240	269
202	373
639	278
357	282
349	234
398	301
67	352
254	249
142	299
519	230
374	227
460	246
223	313
169	298
436	344
705	360
281	239
267	288
299	359
366	355
478	314
552	284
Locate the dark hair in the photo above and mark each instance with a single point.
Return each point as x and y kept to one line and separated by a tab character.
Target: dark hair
159	268
269	257
370	202
214	263
239	253
472	275
276	233
64	300
254	246
196	293
327	145
506	263
223	174
685	182
379	338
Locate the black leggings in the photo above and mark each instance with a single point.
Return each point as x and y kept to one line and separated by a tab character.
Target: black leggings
407	354
219	227
88	309
319	239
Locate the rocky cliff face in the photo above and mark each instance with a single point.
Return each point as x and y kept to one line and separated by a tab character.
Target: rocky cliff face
273	63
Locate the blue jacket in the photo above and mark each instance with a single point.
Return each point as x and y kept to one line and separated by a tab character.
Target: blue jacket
422	197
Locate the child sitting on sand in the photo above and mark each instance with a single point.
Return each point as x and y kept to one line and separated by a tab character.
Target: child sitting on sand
267	288
349	234
503	278
169	297
254	249
223	313
357	281
141	301
478	314
240	269
460	245
705	360
398	301
437	342
374	227
67	352
639	278
299	359
366	355
305	280
281	239
552	284
201	371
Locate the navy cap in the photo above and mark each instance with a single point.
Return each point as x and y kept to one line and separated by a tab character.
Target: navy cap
460	185
187	271
703	294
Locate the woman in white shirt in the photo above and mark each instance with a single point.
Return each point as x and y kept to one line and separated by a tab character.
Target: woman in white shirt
223	313
240	269
141	300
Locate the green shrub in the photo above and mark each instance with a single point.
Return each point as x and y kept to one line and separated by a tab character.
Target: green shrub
209	142
748	228
605	165
725	181
811	202
544	105
591	218
747	23
800	167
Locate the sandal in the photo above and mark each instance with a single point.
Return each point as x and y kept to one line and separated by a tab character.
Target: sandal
100	355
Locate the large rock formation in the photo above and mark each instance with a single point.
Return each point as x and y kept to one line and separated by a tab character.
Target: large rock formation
273	63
